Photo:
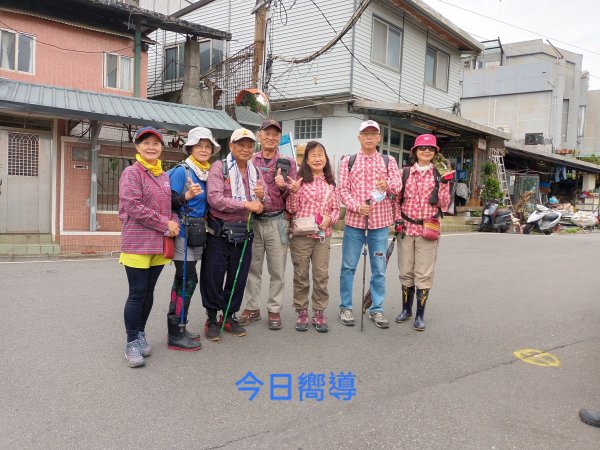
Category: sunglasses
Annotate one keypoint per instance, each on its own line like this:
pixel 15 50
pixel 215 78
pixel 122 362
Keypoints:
pixel 425 149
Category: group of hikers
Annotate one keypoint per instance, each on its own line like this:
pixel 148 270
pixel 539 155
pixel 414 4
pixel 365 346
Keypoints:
pixel 234 213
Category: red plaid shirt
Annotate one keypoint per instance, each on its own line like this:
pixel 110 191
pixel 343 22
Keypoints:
pixel 144 210
pixel 268 173
pixel 316 197
pixel 416 199
pixel 356 186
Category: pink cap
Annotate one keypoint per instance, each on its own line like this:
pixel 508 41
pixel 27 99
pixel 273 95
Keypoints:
pixel 425 140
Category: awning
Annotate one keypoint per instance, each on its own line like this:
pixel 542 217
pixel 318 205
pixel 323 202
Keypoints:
pixel 425 116
pixel 527 151
pixel 63 103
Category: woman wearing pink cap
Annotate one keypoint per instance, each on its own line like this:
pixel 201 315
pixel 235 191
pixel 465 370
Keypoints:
pixel 423 196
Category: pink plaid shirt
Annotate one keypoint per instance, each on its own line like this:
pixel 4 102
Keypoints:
pixel 357 186
pixel 416 199
pixel 313 198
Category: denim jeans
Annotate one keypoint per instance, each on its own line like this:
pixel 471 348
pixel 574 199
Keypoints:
pixel 352 245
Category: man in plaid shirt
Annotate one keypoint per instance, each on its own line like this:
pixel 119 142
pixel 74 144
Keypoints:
pixel 368 179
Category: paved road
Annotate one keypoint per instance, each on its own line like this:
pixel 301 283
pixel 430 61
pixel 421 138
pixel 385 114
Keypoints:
pixel 455 386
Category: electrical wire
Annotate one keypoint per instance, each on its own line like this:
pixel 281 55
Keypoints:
pixel 37 41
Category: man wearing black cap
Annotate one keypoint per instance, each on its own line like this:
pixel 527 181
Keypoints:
pixel 270 228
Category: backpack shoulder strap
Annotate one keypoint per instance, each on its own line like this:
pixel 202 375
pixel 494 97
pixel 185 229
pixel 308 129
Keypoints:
pixel 225 169
pixel 351 160
pixel 405 175
pixel 386 160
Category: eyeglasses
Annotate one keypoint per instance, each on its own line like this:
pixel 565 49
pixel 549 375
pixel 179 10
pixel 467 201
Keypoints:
pixel 370 134
pixel 425 149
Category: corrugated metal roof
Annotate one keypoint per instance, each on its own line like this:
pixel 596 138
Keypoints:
pixel 63 103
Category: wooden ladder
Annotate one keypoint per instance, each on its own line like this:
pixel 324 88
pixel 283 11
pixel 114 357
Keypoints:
pixel 498 159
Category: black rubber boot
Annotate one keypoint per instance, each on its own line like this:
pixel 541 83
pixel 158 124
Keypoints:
pixel 177 338
pixel 176 297
pixel 422 296
pixel 408 295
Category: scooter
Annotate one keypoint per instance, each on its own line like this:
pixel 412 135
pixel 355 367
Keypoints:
pixel 542 219
pixel 495 219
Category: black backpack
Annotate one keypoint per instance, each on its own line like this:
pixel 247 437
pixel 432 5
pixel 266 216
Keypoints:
pixel 352 159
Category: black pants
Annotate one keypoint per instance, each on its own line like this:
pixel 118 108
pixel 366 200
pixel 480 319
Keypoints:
pixel 219 263
pixel 140 300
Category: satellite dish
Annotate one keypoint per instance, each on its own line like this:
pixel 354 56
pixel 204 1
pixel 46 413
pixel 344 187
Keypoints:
pixel 254 100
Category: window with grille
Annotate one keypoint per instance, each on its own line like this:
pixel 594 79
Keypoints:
pixel 308 128
pixel 109 172
pixel 23 154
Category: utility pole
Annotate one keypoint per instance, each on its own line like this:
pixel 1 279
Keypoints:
pixel 260 33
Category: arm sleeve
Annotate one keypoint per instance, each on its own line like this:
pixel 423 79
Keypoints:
pixel 216 198
pixel 344 187
pixel 394 180
pixel 292 202
pixel 334 206
pixel 444 196
pixel 177 178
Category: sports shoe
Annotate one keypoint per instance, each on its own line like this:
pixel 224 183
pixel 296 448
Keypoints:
pixel 320 321
pixel 379 320
pixel 346 317
pixel 133 354
pixel 275 321
pixel 144 346
pixel 212 330
pixel 248 316
pixel 302 323
pixel 232 327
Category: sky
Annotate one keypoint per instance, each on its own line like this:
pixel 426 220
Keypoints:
pixel 571 25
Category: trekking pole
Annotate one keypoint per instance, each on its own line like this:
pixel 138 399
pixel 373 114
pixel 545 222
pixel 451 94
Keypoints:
pixel 236 274
pixel 185 222
pixel 364 274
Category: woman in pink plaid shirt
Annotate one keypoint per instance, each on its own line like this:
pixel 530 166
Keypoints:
pixel 146 217
pixel 313 195
pixel 416 254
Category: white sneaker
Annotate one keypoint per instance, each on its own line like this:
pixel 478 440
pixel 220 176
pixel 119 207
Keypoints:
pixel 346 317
pixel 379 320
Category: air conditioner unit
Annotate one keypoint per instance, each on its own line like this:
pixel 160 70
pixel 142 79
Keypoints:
pixel 534 138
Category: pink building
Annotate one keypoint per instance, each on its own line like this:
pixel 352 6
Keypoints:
pixel 73 78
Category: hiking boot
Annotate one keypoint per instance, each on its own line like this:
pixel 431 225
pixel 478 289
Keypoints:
pixel 302 323
pixel 320 321
pixel 248 316
pixel 133 354
pixel 232 327
pixel 379 320
pixel 144 346
pixel 346 317
pixel 212 330
pixel 275 321
pixel 590 417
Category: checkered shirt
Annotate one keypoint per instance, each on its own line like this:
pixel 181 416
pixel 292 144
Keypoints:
pixel 416 199
pixel 267 173
pixel 356 186
pixel 313 198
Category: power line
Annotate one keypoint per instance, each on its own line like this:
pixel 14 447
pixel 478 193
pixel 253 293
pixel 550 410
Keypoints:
pixel 518 27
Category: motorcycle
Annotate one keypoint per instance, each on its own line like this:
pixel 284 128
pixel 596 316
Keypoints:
pixel 542 219
pixel 495 219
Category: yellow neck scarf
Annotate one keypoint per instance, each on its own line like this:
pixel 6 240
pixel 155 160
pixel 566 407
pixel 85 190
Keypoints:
pixel 204 166
pixel 156 169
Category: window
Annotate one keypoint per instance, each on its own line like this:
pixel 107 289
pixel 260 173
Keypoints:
pixel 386 44
pixel 23 154
pixel 437 65
pixel 118 72
pixel 211 54
pixel 308 128
pixel 174 62
pixel 16 51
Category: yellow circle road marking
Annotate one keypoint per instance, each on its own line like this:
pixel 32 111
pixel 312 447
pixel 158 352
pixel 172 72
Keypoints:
pixel 537 357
